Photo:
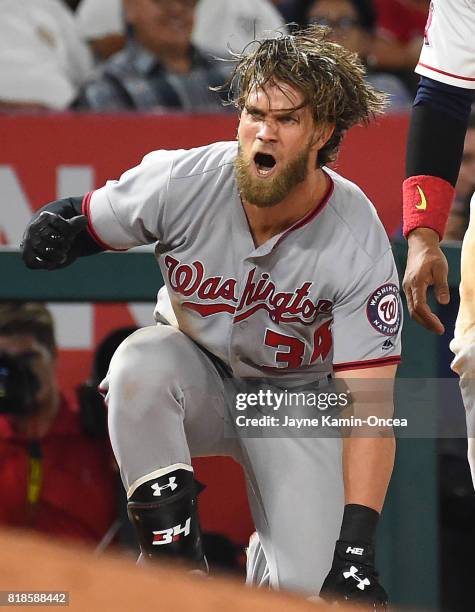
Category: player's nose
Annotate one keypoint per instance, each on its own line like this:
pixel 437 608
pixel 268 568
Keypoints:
pixel 267 132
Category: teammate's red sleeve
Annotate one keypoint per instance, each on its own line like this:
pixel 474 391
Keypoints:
pixel 426 203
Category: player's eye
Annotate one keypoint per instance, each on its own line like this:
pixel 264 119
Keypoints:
pixel 255 116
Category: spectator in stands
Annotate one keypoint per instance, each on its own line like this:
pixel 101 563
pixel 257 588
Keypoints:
pixel 293 11
pixel 352 22
pixel 464 188
pixel 399 34
pixel 102 24
pixel 54 477
pixel 159 68
pixel 230 25
pixel 43 60
pixel 218 25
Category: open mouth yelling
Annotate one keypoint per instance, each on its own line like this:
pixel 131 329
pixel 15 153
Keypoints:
pixel 264 164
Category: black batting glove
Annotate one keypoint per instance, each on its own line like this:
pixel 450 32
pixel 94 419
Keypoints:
pixel 48 240
pixel 353 578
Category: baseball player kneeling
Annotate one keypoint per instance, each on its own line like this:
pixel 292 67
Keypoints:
pixel 279 272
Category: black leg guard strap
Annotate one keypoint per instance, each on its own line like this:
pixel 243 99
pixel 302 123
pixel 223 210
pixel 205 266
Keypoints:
pixel 164 513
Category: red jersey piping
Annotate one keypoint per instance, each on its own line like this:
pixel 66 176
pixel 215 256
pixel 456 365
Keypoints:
pixel 311 214
pixel 454 76
pixel 86 206
pixel 369 363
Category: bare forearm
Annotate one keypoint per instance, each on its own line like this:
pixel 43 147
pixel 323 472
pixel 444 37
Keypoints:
pixel 368 459
pixel 367 468
pixel 368 452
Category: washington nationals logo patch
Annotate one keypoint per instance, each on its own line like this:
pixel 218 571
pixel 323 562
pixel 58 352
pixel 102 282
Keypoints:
pixel 383 309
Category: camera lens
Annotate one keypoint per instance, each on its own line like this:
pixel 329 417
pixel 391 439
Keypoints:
pixel 18 386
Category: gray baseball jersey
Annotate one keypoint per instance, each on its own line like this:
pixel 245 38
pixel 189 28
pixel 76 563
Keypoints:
pixel 323 294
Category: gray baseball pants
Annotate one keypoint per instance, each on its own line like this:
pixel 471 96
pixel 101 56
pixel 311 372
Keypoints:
pixel 168 403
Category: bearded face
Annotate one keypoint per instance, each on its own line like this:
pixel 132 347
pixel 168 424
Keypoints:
pixel 278 144
pixel 263 184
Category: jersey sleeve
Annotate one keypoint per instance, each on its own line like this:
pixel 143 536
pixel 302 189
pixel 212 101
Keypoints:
pixel 448 52
pixel 367 319
pixel 130 211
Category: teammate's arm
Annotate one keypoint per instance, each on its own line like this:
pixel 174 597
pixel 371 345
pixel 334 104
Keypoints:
pixel 437 129
pixel 368 460
pixel 56 235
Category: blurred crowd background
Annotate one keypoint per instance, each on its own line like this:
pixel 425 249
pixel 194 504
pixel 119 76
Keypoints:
pixel 164 55
pixel 160 57
pixel 108 55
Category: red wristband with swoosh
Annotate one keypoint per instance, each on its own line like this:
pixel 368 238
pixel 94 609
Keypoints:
pixel 426 203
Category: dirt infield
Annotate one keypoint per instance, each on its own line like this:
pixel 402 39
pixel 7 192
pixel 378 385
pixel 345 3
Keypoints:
pixel 29 562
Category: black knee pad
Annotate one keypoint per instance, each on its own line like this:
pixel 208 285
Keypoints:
pixel 164 513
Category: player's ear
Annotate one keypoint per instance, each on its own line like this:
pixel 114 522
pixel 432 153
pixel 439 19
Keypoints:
pixel 323 133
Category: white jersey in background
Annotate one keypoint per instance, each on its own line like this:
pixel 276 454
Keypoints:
pixel 227 25
pixel 448 52
pixel 43 59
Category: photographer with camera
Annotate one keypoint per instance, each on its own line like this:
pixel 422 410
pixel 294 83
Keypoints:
pixel 55 476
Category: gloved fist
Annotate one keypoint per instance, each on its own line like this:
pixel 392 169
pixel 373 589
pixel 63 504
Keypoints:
pixel 353 578
pixel 48 240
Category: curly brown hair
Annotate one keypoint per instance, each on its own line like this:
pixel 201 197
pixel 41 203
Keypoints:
pixel 331 79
